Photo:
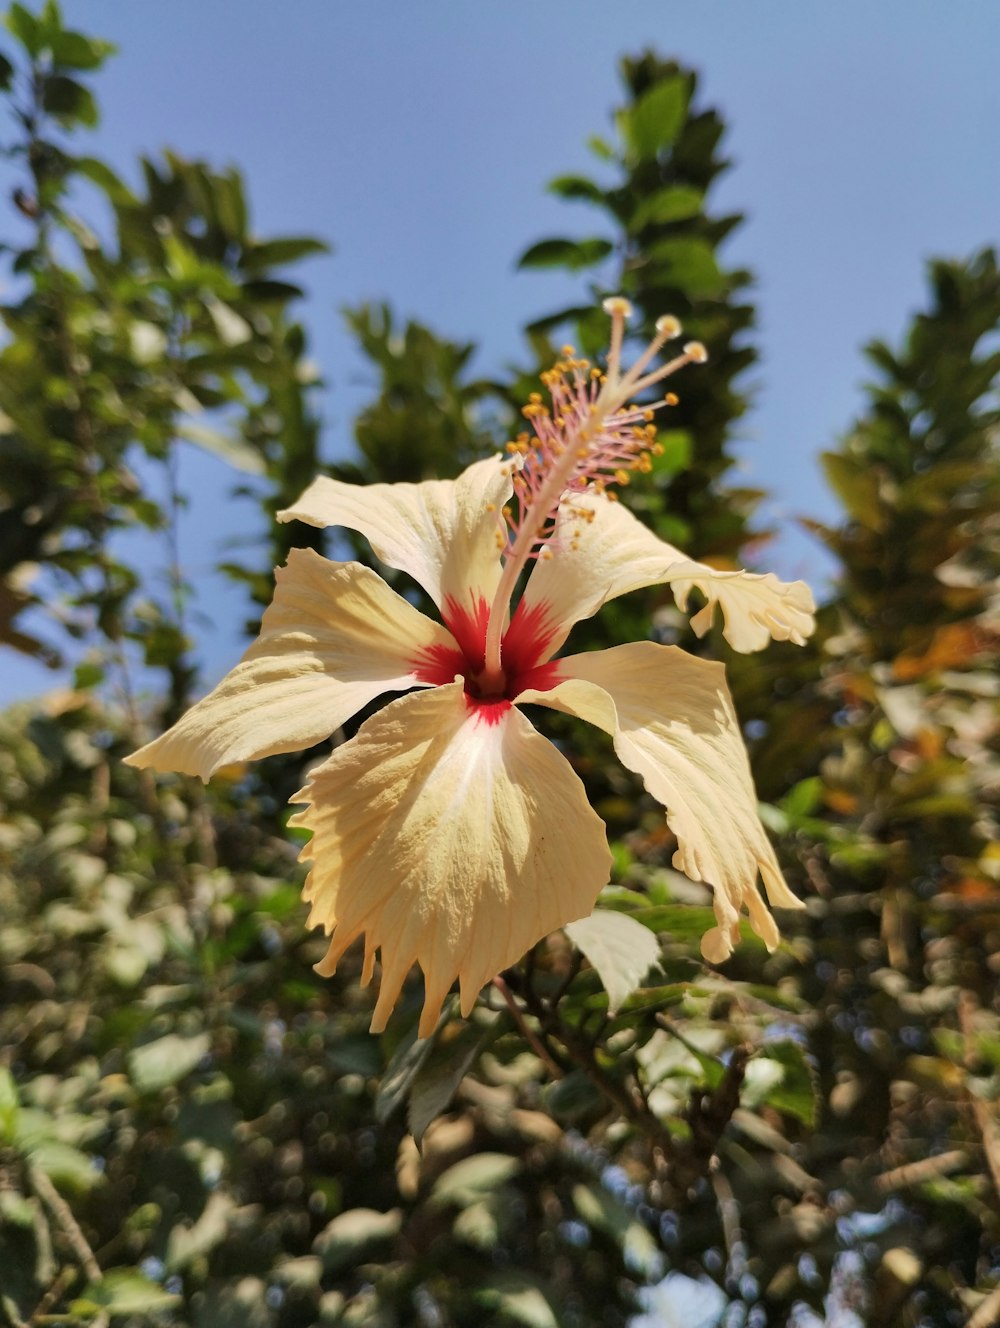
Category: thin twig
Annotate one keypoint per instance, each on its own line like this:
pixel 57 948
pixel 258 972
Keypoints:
pixel 581 1052
pixel 63 1281
pixel 729 1210
pixel 986 1121
pixel 915 1173
pixel 528 1033
pixel 60 1210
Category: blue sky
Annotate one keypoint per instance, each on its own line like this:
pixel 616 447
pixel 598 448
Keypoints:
pixel 418 139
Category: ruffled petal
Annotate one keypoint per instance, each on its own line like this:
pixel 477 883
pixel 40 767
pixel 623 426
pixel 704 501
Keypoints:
pixel 447 534
pixel 334 638
pixel 602 551
pixel 454 836
pixel 756 608
pixel 673 723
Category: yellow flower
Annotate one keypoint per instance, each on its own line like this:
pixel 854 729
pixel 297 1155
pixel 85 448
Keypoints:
pixel 448 832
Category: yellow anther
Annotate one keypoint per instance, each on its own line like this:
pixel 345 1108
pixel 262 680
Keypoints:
pixel 647 415
pixel 491 507
pixel 696 352
pixel 668 326
pixel 568 352
pixel 671 399
pixel 617 304
pixel 621 477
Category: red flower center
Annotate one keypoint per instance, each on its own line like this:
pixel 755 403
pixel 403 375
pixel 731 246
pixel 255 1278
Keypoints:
pixel 523 654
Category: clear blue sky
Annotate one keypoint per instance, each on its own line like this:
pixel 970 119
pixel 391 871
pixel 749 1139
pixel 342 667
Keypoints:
pixel 418 139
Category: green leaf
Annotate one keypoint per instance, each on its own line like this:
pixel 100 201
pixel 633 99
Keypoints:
pixel 857 486
pixel 158 1065
pixel 400 1073
pixel 804 798
pixel 621 949
pixel 782 1078
pixel 554 320
pixel 687 263
pixel 6 73
pixel 352 1236
pixel 185 1244
pixel 73 50
pixel 675 452
pixel 270 292
pixel 441 1072
pixel 654 122
pixel 124 1291
pixel 25 27
pixel 683 922
pixel 571 254
pixel 601 148
pixel 272 253
pixel 571 1098
pixel 602 1211
pixel 576 187
pixel 231 327
pixel 63 1164
pixel 8 1105
pixel 515 1298
pixel 101 174
pixel 69 101
pixel 675 203
pixel 474 1178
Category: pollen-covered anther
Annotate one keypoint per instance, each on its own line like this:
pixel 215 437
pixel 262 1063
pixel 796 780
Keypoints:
pixel 696 352
pixel 671 399
pixel 617 304
pixel 668 327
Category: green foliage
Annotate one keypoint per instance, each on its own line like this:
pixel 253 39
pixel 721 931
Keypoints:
pixel 666 249
pixel 172 328
pixel 194 1127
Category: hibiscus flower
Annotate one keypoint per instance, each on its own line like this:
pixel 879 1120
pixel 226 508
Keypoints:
pixel 448 831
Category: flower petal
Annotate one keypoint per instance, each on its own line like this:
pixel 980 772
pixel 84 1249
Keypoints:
pixel 454 836
pixel 756 607
pixel 334 637
pixel 673 723
pixel 447 534
pixel 603 551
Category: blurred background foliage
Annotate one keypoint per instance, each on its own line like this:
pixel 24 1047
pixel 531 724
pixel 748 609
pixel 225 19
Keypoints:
pixel 195 1128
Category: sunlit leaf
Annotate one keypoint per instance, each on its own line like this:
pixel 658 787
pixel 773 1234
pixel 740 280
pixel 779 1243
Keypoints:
pixel 157 1065
pixel 621 949
pixel 652 124
pixel 354 1235
pixel 474 1177
pixel 570 254
pixel 126 1291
